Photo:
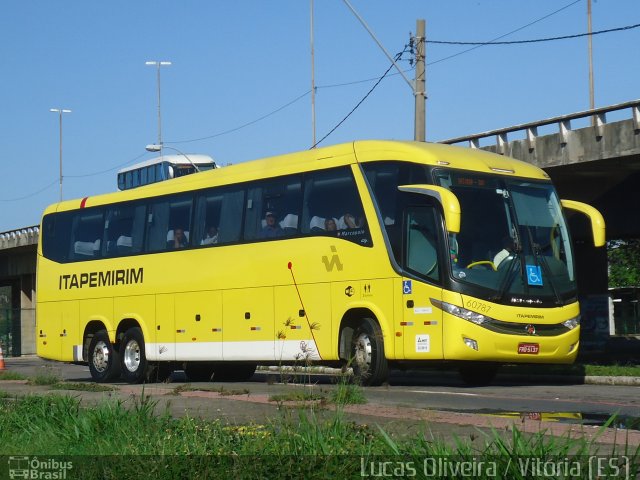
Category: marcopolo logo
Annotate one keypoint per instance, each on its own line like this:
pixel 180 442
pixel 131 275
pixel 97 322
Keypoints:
pixel 39 468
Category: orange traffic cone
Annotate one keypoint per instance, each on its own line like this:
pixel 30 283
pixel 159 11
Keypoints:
pixel 2 367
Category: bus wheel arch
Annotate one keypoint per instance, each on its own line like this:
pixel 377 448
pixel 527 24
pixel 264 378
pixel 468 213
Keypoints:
pixel 90 330
pixel 102 355
pixel 361 345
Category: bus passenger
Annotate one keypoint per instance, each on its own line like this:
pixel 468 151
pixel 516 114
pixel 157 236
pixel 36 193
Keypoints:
pixel 271 229
pixel 211 237
pixel 179 238
pixel 330 224
pixel 348 221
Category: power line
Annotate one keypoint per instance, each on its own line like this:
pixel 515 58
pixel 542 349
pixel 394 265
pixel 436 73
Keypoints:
pixel 537 40
pixel 363 98
pixel 108 170
pixel 300 97
pixel 506 34
pixel 30 194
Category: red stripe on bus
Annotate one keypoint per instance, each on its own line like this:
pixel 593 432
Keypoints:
pixel 83 202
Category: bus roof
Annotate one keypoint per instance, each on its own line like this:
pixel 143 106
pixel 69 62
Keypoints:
pixel 332 156
pixel 196 158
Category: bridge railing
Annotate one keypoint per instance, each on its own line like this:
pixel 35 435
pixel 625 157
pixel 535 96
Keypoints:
pixel 563 122
pixel 19 237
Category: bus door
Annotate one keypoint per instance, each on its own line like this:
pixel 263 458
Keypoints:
pixel 421 322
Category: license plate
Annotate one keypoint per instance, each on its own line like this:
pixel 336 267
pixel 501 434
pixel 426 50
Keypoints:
pixel 528 348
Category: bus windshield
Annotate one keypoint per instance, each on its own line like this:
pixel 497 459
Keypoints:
pixel 513 238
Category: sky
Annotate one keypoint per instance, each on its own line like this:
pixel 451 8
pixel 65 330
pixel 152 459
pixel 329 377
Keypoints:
pixel 239 84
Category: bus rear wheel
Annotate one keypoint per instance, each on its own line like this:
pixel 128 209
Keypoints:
pixel 370 366
pixel 133 357
pixel 104 363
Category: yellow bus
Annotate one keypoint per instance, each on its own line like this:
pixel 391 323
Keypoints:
pixel 369 254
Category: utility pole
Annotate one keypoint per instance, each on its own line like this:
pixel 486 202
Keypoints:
pixel 419 82
pixel 159 64
pixel 592 101
pixel 60 111
pixel 313 84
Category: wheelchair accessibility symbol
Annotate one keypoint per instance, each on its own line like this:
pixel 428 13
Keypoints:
pixel 406 287
pixel 534 275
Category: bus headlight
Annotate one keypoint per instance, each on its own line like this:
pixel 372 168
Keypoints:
pixel 572 322
pixel 460 312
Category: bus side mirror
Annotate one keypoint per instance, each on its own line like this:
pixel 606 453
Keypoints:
pixel 597 220
pixel 449 202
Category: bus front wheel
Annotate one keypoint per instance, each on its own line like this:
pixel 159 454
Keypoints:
pixel 133 358
pixel 370 366
pixel 104 363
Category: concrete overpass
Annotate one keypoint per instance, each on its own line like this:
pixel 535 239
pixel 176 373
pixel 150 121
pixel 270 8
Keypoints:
pixel 17 290
pixel 598 164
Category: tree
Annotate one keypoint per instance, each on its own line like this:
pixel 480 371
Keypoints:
pixel 624 263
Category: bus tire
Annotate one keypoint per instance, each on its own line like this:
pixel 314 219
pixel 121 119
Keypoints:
pixel 132 356
pixel 370 366
pixel 478 374
pixel 104 363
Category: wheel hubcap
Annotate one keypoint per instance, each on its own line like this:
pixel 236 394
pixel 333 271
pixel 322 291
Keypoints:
pixel 132 356
pixel 101 357
pixel 362 351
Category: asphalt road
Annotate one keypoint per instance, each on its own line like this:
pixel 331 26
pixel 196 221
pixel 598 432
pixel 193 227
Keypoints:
pixel 534 398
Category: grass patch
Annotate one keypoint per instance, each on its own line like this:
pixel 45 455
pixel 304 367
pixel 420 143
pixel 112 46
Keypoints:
pixel 9 375
pixel 297 445
pixel 348 394
pixel 46 376
pixel 298 396
pixel 82 387
pixel 187 387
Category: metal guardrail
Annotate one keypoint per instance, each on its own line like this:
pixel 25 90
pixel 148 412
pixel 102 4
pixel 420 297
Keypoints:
pixel 564 126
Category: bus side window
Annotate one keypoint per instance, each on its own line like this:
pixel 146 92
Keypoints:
pixel 56 236
pixel 219 209
pixel 124 229
pixel 332 195
pixel 280 196
pixel 86 235
pixel 164 216
pixel 421 242
pixel 151 174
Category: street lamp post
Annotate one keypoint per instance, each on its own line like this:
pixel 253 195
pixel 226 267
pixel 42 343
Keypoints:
pixel 60 111
pixel 158 148
pixel 159 64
